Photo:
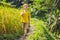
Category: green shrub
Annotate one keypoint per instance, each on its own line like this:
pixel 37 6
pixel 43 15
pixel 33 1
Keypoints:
pixel 10 25
pixel 40 32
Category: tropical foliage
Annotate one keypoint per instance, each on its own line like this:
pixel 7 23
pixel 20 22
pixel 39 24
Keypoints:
pixel 45 18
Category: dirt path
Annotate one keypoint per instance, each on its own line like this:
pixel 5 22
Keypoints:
pixel 31 29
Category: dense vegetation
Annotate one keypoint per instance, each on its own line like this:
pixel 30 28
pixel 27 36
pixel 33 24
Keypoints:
pixel 45 18
pixel 10 26
pixel 40 31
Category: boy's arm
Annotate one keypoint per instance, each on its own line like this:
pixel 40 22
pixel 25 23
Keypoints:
pixel 29 20
pixel 21 13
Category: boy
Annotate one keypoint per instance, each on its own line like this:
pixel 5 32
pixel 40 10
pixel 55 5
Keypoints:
pixel 25 18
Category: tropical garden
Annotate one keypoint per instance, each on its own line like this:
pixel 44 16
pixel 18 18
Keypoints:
pixel 45 18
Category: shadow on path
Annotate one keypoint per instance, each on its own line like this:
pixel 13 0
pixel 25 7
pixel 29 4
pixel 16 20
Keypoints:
pixel 31 29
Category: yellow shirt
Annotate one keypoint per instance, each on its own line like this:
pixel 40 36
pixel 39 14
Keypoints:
pixel 25 17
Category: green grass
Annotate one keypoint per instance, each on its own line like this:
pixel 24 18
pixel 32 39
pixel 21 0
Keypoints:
pixel 40 32
pixel 10 25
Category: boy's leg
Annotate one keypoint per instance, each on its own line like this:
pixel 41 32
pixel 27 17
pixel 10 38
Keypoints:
pixel 23 26
pixel 28 27
pixel 25 29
